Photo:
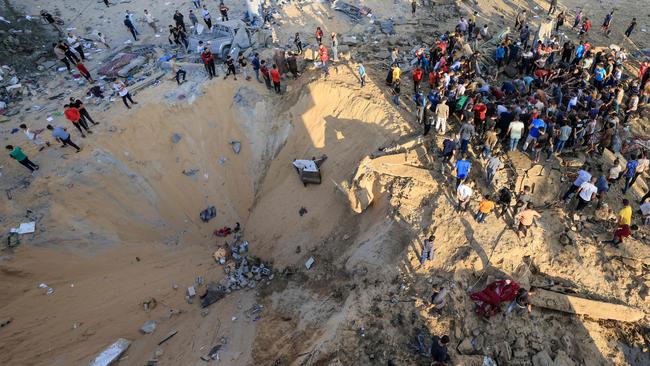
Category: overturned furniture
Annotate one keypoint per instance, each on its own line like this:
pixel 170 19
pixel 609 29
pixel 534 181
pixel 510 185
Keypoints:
pixel 309 170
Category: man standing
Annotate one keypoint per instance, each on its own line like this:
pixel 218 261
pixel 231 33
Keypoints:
pixel 230 67
pixel 208 61
pixel 62 135
pixel 515 130
pixel 607 22
pixel 266 75
pixel 256 66
pixel 73 115
pixel 552 7
pixel 150 20
pixel 466 133
pixel 362 74
pixel 275 77
pixel 223 9
pixel 525 219
pixel 442 113
pixel 75 43
pixel 630 173
pixel 417 79
pixel 427 250
pixel 77 103
pixel 60 55
pixel 335 47
pixel 19 156
pixel 463 167
pixel 463 194
pixel 180 20
pixel 630 28
pixel 324 58
pixel 586 193
pixel 439 349
pixel 493 165
pixel 123 92
pixel 206 17
pixel 131 27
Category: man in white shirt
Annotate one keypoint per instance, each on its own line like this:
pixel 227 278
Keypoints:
pixel 644 210
pixel 586 193
pixel 463 193
pixel 615 171
pixel 150 20
pixel 206 17
pixel 75 43
pixel 515 130
pixel 583 176
pixel 123 92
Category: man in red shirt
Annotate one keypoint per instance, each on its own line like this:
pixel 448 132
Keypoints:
pixel 480 111
pixel 275 77
pixel 417 78
pixel 324 58
pixel 73 115
pixel 208 61
pixel 266 75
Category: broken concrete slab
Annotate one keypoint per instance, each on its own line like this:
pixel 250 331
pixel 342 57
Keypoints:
pixel 591 308
pixel 111 353
pixel 148 327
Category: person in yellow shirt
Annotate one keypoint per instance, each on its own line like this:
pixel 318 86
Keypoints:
pixel 397 72
pixel 625 214
pixel 484 208
pixel 624 228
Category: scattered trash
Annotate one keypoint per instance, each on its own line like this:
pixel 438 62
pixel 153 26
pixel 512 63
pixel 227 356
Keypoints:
pixel 112 353
pixel 198 281
pixel 234 318
pixel 213 354
pixel 222 160
pixel 190 173
pixel 50 291
pixel 149 304
pixel 309 263
pixel 207 214
pixel 191 292
pixel 355 12
pixel 148 327
pixel 236 146
pixel 176 138
pixel 5 322
pixel 213 293
pixel 302 211
pixel 387 26
pixel 167 337
pixel 24 228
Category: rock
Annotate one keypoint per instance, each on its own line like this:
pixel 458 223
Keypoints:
pixel 562 359
pixel 111 353
pixel 349 41
pixel 542 359
pixel 469 345
pixel 148 327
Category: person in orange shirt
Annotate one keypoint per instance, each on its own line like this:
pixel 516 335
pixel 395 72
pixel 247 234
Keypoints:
pixel 324 58
pixel 484 208
pixel 275 78
pixel 84 72
pixel 73 115
pixel 417 78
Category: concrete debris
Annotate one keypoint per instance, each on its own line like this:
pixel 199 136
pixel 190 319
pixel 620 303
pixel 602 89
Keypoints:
pixel 309 263
pixel 355 12
pixel 190 173
pixel 167 337
pixel 208 214
pixel 591 308
pixel 148 327
pixel 387 26
pixel 176 138
pixel 112 353
pixel 236 146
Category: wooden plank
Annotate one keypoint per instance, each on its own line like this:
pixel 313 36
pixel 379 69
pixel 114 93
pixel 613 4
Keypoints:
pixel 591 308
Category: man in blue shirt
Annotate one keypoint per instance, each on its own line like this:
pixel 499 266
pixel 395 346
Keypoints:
pixel 256 66
pixel 362 74
pixel 60 133
pixel 463 166
pixel 500 54
pixel 630 169
pixel 533 132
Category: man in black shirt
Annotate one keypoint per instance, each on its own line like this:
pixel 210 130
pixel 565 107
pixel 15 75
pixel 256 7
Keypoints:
pixel 439 348
pixel 180 23
pixel 77 103
pixel 230 65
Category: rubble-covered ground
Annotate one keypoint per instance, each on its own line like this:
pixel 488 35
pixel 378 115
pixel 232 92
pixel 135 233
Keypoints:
pixel 118 226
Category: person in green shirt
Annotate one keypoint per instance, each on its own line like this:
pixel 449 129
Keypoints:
pixel 20 157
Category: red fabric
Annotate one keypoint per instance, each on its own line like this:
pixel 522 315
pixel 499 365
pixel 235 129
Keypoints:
pixel 207 57
pixel 642 70
pixel 417 75
pixel 488 300
pixel 322 53
pixel 623 231
pixel 541 73
pixel 275 75
pixel 432 79
pixel 72 114
pixel 82 68
pixel 480 110
pixel 265 71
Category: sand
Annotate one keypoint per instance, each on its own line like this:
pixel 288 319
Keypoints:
pixel 118 224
